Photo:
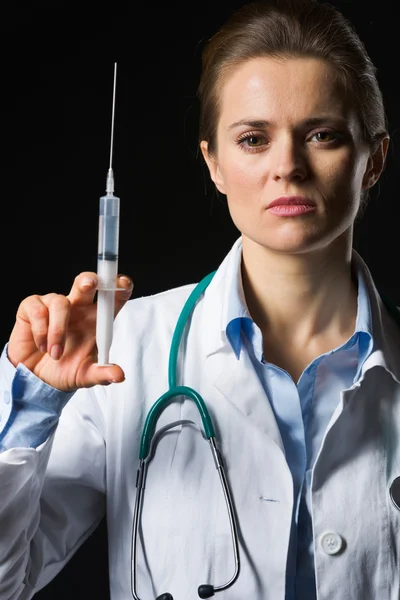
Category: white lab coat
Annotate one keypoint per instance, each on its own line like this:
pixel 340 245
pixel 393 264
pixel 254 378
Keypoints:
pixel 186 536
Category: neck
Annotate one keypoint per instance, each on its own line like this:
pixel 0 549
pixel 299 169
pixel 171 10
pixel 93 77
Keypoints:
pixel 303 297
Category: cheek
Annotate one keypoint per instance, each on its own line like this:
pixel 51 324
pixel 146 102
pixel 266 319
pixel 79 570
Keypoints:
pixel 343 173
pixel 243 176
pixel 340 183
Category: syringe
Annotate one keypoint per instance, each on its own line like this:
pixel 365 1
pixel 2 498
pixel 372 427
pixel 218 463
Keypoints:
pixel 107 257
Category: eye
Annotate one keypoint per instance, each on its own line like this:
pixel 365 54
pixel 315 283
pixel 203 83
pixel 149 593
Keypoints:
pixel 254 140
pixel 251 141
pixel 334 135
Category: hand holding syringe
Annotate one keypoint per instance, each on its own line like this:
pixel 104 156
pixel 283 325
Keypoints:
pixel 54 334
pixel 107 257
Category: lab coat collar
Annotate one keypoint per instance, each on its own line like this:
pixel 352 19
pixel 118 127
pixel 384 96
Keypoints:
pixel 385 331
pixel 239 384
pixel 216 300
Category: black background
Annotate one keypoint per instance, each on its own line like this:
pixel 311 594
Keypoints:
pixel 57 71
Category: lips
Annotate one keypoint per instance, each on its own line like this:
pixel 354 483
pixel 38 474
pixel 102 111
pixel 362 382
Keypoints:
pixel 291 201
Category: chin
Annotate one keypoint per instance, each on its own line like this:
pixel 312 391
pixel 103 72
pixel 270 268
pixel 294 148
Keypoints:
pixel 299 237
pixel 295 244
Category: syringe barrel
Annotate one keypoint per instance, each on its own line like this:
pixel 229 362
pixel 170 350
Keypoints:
pixel 107 268
pixel 108 228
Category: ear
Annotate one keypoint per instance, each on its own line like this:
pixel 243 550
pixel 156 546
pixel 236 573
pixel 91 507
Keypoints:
pixel 213 167
pixel 376 163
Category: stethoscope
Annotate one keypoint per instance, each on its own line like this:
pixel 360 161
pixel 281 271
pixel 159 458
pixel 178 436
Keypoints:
pixel 147 445
pixel 149 440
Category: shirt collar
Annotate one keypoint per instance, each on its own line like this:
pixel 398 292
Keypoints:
pixel 236 313
pixel 237 319
pixel 215 309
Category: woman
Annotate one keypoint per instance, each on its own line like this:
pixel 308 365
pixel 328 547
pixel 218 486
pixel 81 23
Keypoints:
pixel 290 346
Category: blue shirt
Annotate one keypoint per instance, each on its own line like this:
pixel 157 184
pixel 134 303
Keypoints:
pixel 302 412
pixel 27 423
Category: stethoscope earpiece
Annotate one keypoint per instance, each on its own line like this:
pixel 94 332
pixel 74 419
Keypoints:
pixel 394 492
pixel 206 591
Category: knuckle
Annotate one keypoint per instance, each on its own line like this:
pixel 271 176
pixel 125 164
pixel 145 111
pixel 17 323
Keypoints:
pixel 40 333
pixel 57 332
pixel 52 297
pixel 30 300
pixel 58 300
pixel 39 312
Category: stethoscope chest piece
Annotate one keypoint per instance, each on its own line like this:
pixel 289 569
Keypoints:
pixel 394 492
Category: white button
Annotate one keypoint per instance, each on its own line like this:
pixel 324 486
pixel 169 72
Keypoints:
pixel 331 542
pixel 7 397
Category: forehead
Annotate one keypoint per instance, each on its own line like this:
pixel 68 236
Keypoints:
pixel 282 90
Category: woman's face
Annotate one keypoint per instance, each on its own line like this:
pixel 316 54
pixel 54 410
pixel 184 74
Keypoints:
pixel 286 129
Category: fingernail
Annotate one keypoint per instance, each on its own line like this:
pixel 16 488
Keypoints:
pixel 126 280
pixel 88 282
pixel 109 381
pixel 56 351
pixel 43 348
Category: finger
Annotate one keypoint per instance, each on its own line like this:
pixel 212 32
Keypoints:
pixel 125 286
pixel 36 311
pixel 59 308
pixel 84 288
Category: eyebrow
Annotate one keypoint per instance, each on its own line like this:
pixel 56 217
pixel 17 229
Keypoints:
pixel 264 124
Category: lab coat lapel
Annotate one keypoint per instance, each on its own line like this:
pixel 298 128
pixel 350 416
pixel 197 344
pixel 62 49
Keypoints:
pixel 236 379
pixel 239 383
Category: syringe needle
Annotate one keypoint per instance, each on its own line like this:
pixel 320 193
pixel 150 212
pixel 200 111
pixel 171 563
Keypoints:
pixel 113 115
pixel 107 257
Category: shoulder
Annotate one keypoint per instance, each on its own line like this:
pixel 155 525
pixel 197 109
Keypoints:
pixel 151 310
pixel 143 331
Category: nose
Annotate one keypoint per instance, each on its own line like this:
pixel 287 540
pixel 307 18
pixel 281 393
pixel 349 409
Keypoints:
pixel 288 159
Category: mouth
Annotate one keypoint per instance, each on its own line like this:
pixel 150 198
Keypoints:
pixel 292 201
pixel 291 206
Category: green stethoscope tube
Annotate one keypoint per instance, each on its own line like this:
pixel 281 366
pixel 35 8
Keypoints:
pixel 174 390
pixel 157 408
pixel 181 324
